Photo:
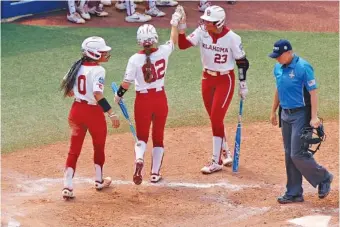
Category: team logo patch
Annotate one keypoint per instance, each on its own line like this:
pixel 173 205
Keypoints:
pixel 208 12
pixel 100 86
pixel 291 74
pixel 101 80
pixel 311 83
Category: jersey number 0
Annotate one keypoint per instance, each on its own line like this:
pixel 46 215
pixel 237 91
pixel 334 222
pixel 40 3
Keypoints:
pixel 157 69
pixel 82 84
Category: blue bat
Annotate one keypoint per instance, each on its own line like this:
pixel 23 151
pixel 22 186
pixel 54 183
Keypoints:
pixel 124 110
pixel 238 139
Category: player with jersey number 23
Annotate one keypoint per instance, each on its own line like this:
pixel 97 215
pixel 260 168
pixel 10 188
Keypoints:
pixel 85 81
pixel 147 70
pixel 220 48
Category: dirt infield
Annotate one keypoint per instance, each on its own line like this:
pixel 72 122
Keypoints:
pixel 285 16
pixel 32 178
pixel 32 183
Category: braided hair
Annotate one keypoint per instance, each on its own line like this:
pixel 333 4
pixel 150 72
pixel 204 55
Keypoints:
pixel 68 82
pixel 148 75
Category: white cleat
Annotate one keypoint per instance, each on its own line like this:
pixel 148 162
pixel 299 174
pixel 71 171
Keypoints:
pixel 106 182
pixel 75 18
pixel 67 194
pixel 166 3
pixel 106 2
pixel 138 17
pixel 154 178
pixel 228 158
pixel 211 167
pixel 120 5
pixel 202 7
pixel 84 13
pixel 138 176
pixel 155 12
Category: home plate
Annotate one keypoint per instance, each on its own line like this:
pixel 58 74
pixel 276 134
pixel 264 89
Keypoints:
pixel 312 221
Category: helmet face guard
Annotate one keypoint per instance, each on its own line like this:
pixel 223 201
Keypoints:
pixel 213 14
pixel 93 47
pixel 147 35
pixel 313 136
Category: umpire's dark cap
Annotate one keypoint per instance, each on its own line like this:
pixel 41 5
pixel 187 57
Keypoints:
pixel 280 47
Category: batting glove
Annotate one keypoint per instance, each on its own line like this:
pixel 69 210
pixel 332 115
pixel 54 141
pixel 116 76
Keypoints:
pixel 176 17
pixel 243 90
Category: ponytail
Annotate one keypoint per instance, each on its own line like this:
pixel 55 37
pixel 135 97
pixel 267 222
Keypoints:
pixel 148 75
pixel 70 79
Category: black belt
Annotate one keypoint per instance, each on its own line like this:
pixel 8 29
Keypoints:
pixel 291 111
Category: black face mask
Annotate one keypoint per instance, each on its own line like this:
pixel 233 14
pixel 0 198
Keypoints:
pixel 312 136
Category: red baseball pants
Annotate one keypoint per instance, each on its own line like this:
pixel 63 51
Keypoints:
pixel 217 93
pixel 85 117
pixel 151 107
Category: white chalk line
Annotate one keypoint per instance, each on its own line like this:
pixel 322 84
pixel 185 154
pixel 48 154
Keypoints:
pixel 31 187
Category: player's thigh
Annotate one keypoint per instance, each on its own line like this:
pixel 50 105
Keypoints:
pixel 97 125
pixel 207 90
pixel 222 96
pixel 143 114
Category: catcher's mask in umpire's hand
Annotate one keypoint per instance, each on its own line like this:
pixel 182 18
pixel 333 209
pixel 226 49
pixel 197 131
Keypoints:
pixel 311 136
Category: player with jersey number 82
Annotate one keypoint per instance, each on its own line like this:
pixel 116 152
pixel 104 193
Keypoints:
pixel 85 81
pixel 147 70
pixel 220 47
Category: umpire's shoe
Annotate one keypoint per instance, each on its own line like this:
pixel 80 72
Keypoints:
pixel 290 199
pixel 325 187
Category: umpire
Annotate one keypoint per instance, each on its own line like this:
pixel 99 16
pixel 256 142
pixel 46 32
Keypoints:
pixel 296 94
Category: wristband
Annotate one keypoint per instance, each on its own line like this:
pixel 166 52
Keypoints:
pixel 182 26
pixel 121 91
pixel 104 104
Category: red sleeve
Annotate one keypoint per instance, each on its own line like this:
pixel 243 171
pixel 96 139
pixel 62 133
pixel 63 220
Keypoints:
pixel 183 43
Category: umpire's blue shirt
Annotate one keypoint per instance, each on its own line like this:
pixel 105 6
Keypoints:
pixel 292 80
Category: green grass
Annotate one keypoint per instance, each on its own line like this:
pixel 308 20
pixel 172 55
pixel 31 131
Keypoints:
pixel 34 59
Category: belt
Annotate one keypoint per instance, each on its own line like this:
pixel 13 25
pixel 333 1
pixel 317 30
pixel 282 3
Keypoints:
pixel 151 90
pixel 216 73
pixel 291 111
pixel 84 101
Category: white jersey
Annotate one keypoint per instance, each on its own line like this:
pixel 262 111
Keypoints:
pixel 90 78
pixel 159 63
pixel 220 55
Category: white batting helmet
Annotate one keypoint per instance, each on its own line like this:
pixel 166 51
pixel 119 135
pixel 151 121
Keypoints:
pixel 214 14
pixel 147 35
pixel 93 46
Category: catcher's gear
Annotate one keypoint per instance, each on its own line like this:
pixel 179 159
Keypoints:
pixel 94 46
pixel 214 14
pixel 147 35
pixel 311 136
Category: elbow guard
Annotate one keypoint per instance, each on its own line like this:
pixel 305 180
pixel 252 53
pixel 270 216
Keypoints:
pixel 243 66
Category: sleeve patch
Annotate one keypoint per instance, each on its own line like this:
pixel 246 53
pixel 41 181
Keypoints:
pixel 311 83
pixel 101 80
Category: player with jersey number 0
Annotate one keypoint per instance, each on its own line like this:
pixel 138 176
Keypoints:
pixel 85 81
pixel 147 70
pixel 220 47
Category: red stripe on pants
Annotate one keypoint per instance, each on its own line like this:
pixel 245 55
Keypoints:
pixel 85 117
pixel 217 93
pixel 151 107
